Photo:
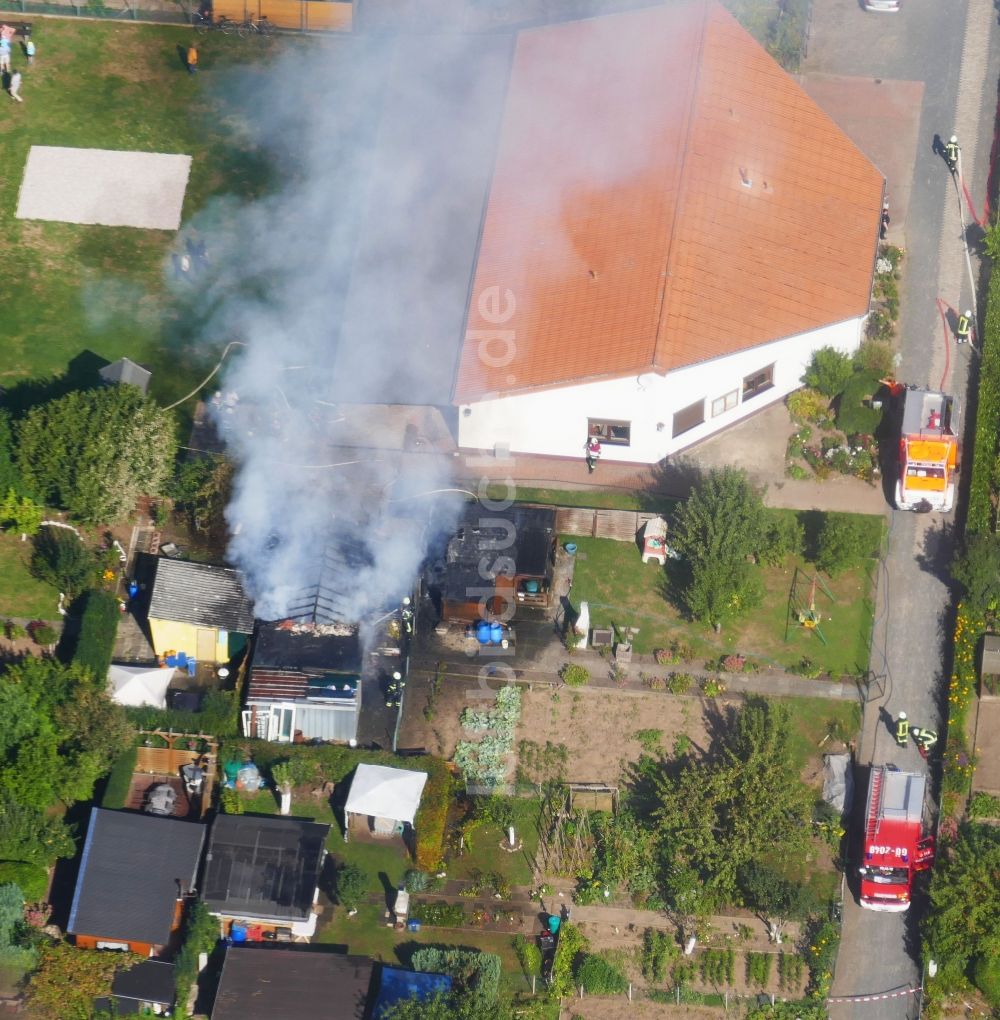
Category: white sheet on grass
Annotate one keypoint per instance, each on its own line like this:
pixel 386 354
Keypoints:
pixel 103 186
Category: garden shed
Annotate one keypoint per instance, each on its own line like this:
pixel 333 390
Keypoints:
pixel 388 797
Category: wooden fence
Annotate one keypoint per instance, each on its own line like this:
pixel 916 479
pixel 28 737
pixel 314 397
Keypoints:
pixel 301 15
pixel 620 525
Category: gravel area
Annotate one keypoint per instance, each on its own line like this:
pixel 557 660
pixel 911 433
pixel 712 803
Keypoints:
pixel 114 189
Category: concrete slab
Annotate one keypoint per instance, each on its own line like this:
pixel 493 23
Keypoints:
pixel 882 118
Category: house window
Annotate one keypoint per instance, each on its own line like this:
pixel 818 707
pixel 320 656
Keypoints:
pixel 617 433
pixel 758 382
pixel 725 403
pixel 688 417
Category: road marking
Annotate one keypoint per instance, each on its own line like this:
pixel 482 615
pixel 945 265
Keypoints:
pixel 877 997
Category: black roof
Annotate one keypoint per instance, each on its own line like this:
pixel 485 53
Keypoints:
pixel 124 370
pixel 302 649
pixel 129 874
pixel 149 981
pixel 263 867
pixel 522 533
pixel 268 983
pixel 202 594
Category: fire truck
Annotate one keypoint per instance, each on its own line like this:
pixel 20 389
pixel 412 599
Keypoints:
pixel 928 449
pixel 895 846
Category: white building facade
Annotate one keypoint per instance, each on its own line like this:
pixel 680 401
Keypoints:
pixel 642 419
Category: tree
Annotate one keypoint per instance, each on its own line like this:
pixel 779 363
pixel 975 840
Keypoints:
pixel 32 834
pixel 828 371
pixel 201 489
pixel 10 477
pixel 776 899
pixel 68 980
pixel 352 886
pixel 94 452
pixel 844 541
pixel 457 1006
pixel 964 919
pixel 61 559
pixel 20 513
pixel 977 570
pixel 715 816
pixel 720 530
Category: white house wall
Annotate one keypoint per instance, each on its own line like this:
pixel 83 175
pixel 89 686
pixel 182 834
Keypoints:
pixel 554 421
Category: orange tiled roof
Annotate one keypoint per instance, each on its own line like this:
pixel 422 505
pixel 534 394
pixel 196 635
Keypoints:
pixel 618 218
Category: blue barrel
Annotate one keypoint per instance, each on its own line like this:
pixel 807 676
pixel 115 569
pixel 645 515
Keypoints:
pixel 554 923
pixel 133 589
pixel 483 632
pixel 531 587
pixel 413 924
pixel 496 633
pixel 238 932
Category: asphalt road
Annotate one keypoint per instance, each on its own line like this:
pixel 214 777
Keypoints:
pixel 951 47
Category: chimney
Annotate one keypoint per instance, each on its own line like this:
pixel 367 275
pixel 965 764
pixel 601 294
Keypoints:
pixel 744 178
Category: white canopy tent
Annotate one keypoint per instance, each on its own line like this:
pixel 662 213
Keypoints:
pixel 139 685
pixel 390 797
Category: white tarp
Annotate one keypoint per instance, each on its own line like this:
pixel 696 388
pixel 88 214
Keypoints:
pixel 838 781
pixel 139 685
pixel 104 186
pixel 385 792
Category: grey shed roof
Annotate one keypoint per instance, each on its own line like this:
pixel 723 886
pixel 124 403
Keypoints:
pixel 262 983
pixel 263 867
pixel 126 371
pixel 129 871
pixel 201 594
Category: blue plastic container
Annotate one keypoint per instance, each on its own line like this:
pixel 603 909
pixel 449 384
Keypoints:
pixel 413 925
pixel 570 547
pixel 531 587
pixel 483 632
pixel 496 634
pixel 238 932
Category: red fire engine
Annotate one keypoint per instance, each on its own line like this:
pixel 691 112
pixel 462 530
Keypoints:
pixel 895 847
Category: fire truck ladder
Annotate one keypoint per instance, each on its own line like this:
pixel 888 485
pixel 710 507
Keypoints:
pixel 874 805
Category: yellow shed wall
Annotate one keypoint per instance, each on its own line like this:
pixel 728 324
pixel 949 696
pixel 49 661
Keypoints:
pixel 172 636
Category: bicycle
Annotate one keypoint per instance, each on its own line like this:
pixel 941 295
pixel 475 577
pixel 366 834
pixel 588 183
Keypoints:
pixel 204 23
pixel 262 26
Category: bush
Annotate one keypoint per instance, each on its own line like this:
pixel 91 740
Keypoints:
pixel 42 634
pixel 231 802
pixel 529 956
pixel 201 933
pixel 875 358
pixel 980 512
pixel 31 879
pixel 784 537
pixel 98 627
pixel 219 716
pixel 986 977
pixel 415 881
pixel 984 805
pixel 432 815
pixel 574 676
pixel 14 631
pixel 680 683
pixel 828 371
pixel 807 406
pixel 351 886
pixel 61 559
pixel 599 976
pixel 854 416
pixel 570 945
pixel 119 780
pixel 476 973
pixel 844 541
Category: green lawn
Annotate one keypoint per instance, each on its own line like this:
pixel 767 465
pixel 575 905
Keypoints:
pixel 622 590
pixel 71 292
pixel 597 499
pixel 21 594
pixel 812 719
pixel 485 854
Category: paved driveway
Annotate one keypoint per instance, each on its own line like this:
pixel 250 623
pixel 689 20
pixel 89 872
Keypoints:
pixel 946 47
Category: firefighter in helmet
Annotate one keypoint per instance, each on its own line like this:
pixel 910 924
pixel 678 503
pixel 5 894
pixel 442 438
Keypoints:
pixel 964 326
pixel 902 730
pixel 951 151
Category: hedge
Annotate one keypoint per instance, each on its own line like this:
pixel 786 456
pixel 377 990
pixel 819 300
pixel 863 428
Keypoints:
pixel 219 716
pixel 119 780
pixel 31 879
pixel 477 973
pixel 980 514
pixel 98 627
pixel 334 762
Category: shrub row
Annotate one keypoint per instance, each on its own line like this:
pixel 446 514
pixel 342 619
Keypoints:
pixel 98 626
pixel 119 780
pixel 980 515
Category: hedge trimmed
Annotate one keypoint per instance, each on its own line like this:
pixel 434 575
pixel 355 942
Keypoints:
pixel 119 780
pixel 98 627
pixel 219 716
pixel 980 515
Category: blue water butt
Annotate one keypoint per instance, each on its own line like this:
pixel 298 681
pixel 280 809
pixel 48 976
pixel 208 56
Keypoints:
pixel 238 932
pixel 496 633
pixel 483 632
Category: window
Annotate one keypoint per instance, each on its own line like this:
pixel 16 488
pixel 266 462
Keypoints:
pixel 688 417
pixel 617 433
pixel 722 404
pixel 758 382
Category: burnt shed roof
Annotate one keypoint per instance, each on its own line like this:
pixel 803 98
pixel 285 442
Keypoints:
pixel 280 647
pixel 263 867
pixel 262 983
pixel 200 594
pixel 522 534
pixel 129 873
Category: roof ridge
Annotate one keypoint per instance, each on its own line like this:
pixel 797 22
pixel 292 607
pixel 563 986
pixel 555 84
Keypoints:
pixel 694 84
